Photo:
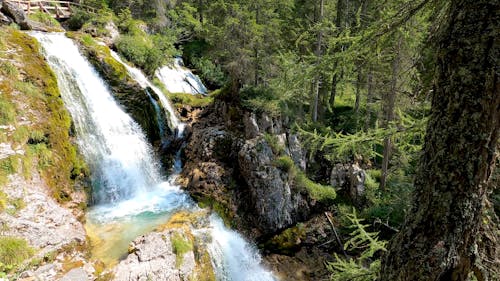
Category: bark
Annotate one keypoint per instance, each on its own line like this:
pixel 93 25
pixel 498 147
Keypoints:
pixel 389 115
pixel 358 90
pixel 317 81
pixel 369 97
pixel 440 239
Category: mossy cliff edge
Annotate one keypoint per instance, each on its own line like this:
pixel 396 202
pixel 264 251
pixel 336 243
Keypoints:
pixel 42 175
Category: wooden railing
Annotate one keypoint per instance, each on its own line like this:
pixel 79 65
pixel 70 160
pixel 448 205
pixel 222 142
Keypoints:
pixel 57 9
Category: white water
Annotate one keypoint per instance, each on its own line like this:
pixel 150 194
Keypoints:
pixel 145 83
pixel 131 196
pixel 178 79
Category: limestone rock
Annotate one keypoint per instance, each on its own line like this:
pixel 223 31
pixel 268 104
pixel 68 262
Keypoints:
pixel 152 258
pixel 76 274
pixel 296 151
pixel 43 222
pixel 251 126
pixel 276 204
pixel 350 178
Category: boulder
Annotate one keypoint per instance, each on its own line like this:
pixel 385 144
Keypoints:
pixel 274 201
pixel 4 19
pixel 76 274
pixel 152 257
pixel 351 179
pixel 13 10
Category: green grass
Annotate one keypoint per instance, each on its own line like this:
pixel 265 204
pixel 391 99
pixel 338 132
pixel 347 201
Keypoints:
pixel 180 246
pixel 13 251
pixel 273 142
pixel 8 69
pixel 7 112
pixel 45 19
pixel 180 99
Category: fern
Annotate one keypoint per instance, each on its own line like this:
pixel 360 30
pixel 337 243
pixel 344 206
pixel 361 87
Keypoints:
pixel 362 268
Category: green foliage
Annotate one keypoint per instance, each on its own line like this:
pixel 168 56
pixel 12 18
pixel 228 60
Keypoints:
pixel 45 19
pixel 13 251
pixel 180 99
pixel 284 163
pixel 7 68
pixel 260 99
pixel 287 242
pixel 209 72
pixel 180 246
pixel 273 142
pixel 367 245
pixel 322 193
pixel 7 112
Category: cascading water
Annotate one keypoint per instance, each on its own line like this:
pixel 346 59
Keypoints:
pixel 178 79
pixel 130 195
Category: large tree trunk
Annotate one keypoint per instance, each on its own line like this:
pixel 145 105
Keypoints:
pixel 439 239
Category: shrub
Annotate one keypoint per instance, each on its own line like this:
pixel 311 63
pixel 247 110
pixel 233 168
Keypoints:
pixel 13 251
pixel 141 51
pixel 273 142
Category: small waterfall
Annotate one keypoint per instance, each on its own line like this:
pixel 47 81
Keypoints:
pixel 175 123
pixel 132 198
pixel 178 79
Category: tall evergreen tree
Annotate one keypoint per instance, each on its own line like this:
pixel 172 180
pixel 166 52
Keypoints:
pixel 439 240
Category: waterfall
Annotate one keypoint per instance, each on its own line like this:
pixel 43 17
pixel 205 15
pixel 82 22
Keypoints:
pixel 131 196
pixel 178 79
pixel 175 123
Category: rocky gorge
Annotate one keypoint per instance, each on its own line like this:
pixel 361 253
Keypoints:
pixel 248 167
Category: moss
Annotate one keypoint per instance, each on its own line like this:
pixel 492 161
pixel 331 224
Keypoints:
pixel 204 269
pixel 180 99
pixel 47 20
pixel 180 246
pixel 50 146
pixel 13 251
pixel 221 208
pixel 321 193
pixel 287 242
pixel 284 163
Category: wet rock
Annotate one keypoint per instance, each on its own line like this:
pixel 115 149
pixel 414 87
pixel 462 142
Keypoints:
pixel 275 203
pixel 351 179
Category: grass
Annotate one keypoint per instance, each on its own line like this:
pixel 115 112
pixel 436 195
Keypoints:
pixel 13 251
pixel 46 20
pixel 180 246
pixel 273 142
pixel 180 99
pixel 7 111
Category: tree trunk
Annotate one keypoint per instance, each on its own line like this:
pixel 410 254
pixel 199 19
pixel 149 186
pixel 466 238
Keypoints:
pixel 317 81
pixel 358 90
pixel 389 114
pixel 369 97
pixel 439 240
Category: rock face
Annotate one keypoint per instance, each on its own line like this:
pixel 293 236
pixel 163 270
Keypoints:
pixel 42 222
pixel 350 178
pixel 152 258
pixel 232 166
pixel 275 203
pixel 3 18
